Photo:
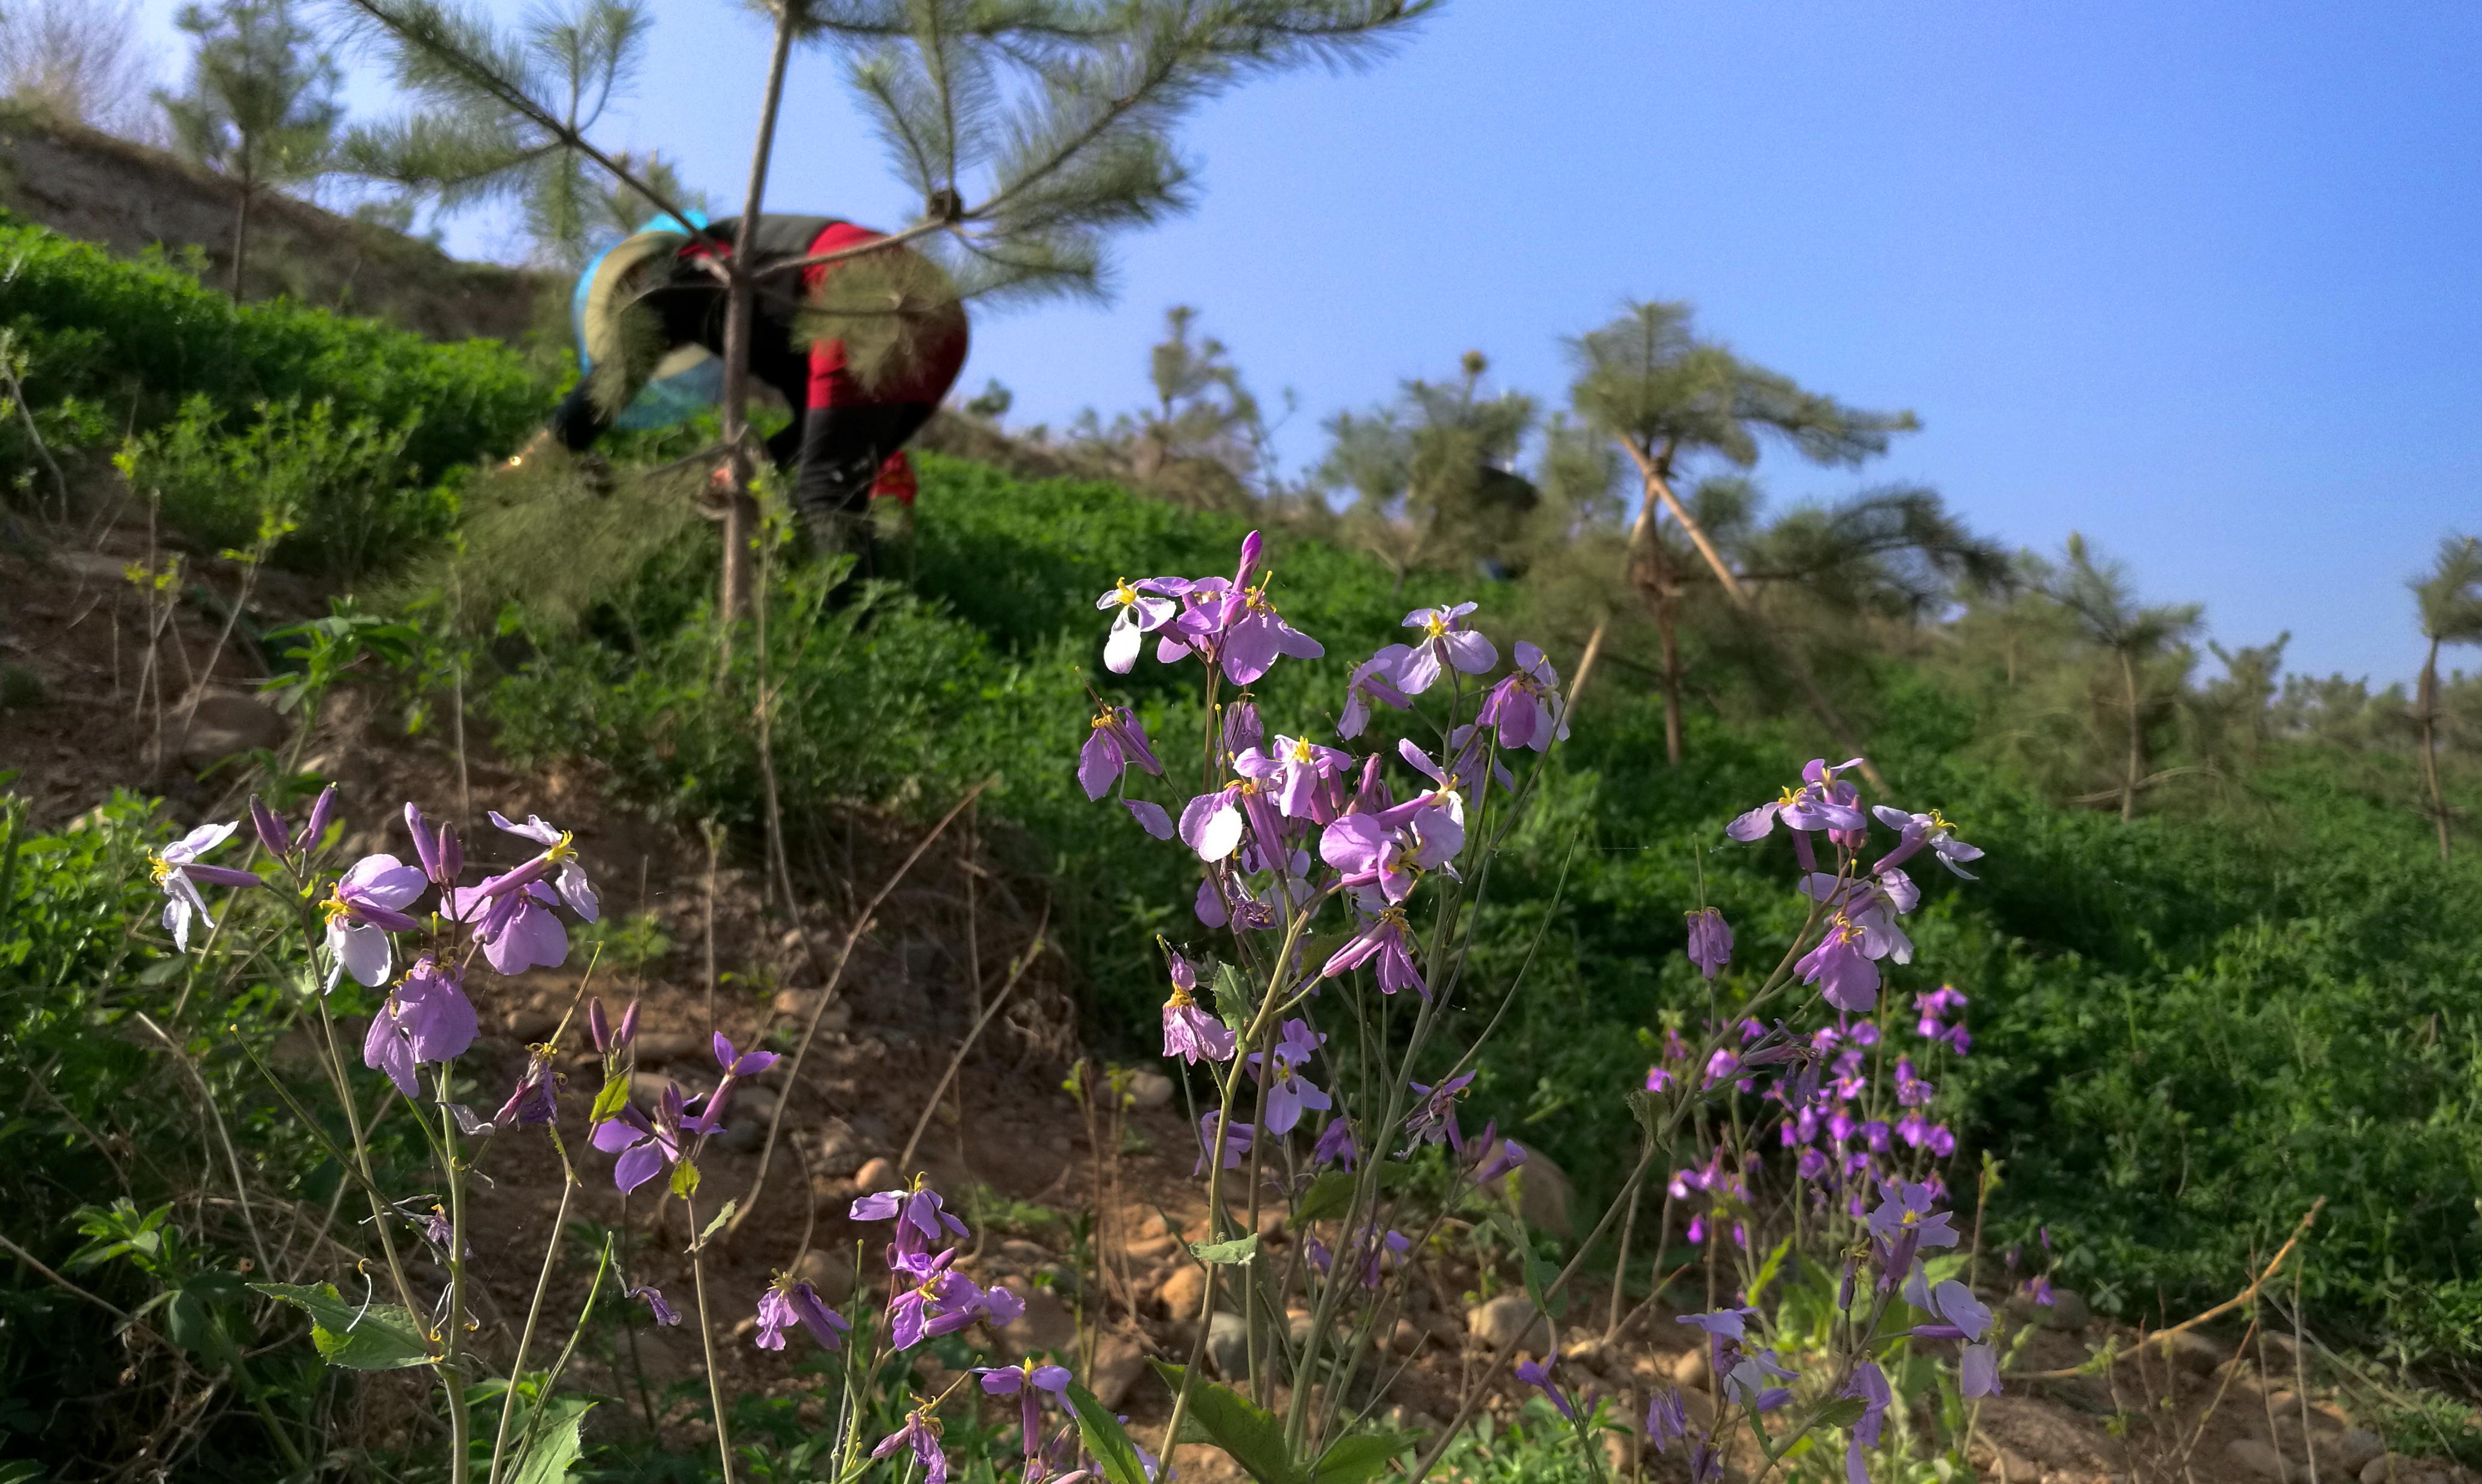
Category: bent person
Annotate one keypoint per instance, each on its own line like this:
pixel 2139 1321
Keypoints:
pixel 862 349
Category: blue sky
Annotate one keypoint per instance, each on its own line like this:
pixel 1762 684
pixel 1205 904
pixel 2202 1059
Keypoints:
pixel 2198 279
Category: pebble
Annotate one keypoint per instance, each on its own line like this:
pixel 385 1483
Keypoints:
pixel 2189 1350
pixel 1405 1338
pixel 659 1047
pixel 1147 1249
pixel 2377 1471
pixel 1690 1369
pixel 1181 1293
pixel 1511 1316
pixel 1543 1193
pixel 878 1174
pixel 1150 1090
pixel 756 1102
pixel 2257 1457
pixel 1227 1346
pixel 2358 1448
pixel 744 1135
pixel 832 1273
pixel 1119 1363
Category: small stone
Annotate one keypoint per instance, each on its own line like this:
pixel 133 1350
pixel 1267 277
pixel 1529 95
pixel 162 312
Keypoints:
pixel 1690 1369
pixel 1147 1249
pixel 1405 1338
pixel 1511 1316
pixel 756 1102
pixel 1543 1193
pixel 2016 1468
pixel 225 726
pixel 530 1024
pixel 1119 1363
pixel 1150 1090
pixel 1181 1293
pixel 1047 1325
pixel 744 1135
pixel 647 1087
pixel 2357 1447
pixel 2259 1458
pixel 2379 1470
pixel 2067 1311
pixel 1023 1255
pixel 2189 1350
pixel 1227 1346
pixel 879 1174
pixel 1296 1327
pixel 659 1047
pixel 832 1273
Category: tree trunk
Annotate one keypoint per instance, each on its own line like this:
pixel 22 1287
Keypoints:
pixel 1652 574
pixel 241 234
pixel 2136 740
pixel 740 510
pixel 1660 488
pixel 2427 713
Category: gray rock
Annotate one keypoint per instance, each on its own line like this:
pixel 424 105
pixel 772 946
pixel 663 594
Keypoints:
pixel 2258 1459
pixel 656 1047
pixel 1511 1316
pixel 1119 1363
pixel 832 1273
pixel 1544 1194
pixel 2189 1350
pixel 1047 1324
pixel 1150 1090
pixel 2380 1469
pixel 2358 1448
pixel 1227 1346
pixel 225 726
pixel 744 1135
pixel 754 1103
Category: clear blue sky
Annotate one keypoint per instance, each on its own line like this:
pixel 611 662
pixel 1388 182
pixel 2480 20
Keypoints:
pixel 2202 280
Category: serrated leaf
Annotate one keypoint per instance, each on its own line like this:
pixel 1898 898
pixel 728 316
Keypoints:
pixel 1105 1438
pixel 685 1180
pixel 1351 1460
pixel 1228 1254
pixel 1254 1438
pixel 554 1442
pixel 382 1337
pixel 721 1217
pixel 1329 1196
pixel 611 1100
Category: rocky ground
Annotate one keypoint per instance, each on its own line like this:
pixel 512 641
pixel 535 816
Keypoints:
pixel 84 709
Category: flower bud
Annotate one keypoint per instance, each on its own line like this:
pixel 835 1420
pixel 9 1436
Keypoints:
pixel 452 856
pixel 317 824
pixel 597 1028
pixel 270 829
pixel 1251 546
pixel 1242 728
pixel 426 847
pixel 628 1030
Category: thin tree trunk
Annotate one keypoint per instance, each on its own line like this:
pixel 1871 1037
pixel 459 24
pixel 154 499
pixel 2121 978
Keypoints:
pixel 2136 740
pixel 240 235
pixel 2426 709
pixel 1658 588
pixel 740 510
pixel 1828 717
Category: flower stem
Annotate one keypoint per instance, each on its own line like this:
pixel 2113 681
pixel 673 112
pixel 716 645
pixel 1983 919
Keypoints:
pixel 460 1425
pixel 533 1313
pixel 707 1338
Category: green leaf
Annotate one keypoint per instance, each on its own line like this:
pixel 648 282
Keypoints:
pixel 379 1336
pixel 1114 1453
pixel 553 1442
pixel 611 1100
pixel 1254 1438
pixel 721 1217
pixel 685 1178
pixel 1329 1196
pixel 1351 1460
pixel 1230 1253
pixel 1767 1271
pixel 1232 998
pixel 1840 1414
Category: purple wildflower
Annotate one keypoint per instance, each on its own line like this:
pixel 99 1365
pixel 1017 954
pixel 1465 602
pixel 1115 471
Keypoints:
pixel 1721 1323
pixel 921 1432
pixel 1373 679
pixel 1151 818
pixel 362 911
pixel 644 1143
pixel 441 857
pixel 1389 938
pixel 178 871
pixel 1667 1419
pixel 1748 1382
pixel 1538 1374
pixel 1026 1381
pixel 921 1217
pixel 559 858
pixel 1234 1142
pixel 1710 942
pixel 944 1301
pixel 1255 636
pixel 1526 706
pixel 1436 1114
pixel 655 1305
pixel 1978 1368
pixel 517 928
pixel 740 1063
pixel 790 1301
pixel 1189 1032
pixel 1335 1145
pixel 1822 802
pixel 1145 606
pixel 537 1097
pixel 426 1017
pixel 1917 831
pixel 1115 741
pixel 1445 643
pixel 1846 974
pixel 1869 1386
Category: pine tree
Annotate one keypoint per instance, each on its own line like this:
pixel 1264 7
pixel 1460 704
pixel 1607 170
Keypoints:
pixel 1666 397
pixel 1029 130
pixel 2448 602
pixel 467 145
pixel 78 61
pixel 2148 655
pixel 1431 474
pixel 261 108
